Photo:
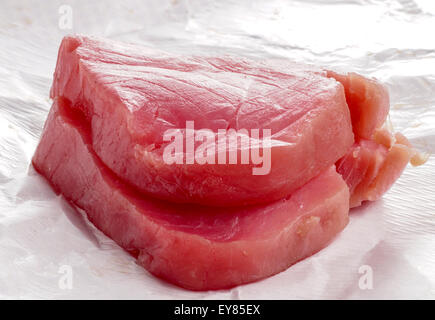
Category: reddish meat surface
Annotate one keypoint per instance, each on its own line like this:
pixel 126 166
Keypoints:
pixel 368 102
pixel 376 160
pixel 371 168
pixel 214 226
pixel 195 247
pixel 130 95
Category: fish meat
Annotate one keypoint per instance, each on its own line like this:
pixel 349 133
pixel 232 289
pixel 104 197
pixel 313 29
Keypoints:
pixel 368 101
pixel 132 95
pixel 372 166
pixel 193 246
pixel 211 224
pixel 378 157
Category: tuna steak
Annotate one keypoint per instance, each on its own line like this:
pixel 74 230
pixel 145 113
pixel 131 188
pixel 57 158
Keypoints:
pixel 193 246
pixel 131 95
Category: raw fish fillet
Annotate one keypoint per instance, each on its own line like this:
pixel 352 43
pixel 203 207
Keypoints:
pixel 214 226
pixel 131 95
pixel 195 247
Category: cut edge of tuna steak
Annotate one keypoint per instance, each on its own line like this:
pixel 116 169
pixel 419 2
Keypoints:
pixel 130 94
pixel 195 247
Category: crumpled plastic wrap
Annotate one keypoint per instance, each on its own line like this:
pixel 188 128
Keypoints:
pixel 386 251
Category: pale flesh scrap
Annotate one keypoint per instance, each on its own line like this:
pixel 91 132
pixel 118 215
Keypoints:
pixel 378 157
pixel 372 166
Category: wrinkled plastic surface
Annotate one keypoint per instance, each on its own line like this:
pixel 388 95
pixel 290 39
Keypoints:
pixel 41 236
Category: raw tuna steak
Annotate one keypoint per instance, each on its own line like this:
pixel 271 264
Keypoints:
pixel 192 246
pixel 131 95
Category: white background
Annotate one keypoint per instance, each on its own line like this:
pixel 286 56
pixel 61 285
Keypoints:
pixel 391 40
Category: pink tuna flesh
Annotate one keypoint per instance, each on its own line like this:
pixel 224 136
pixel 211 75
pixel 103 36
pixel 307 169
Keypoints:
pixel 131 95
pixel 368 102
pixel 193 246
pixel 370 169
pixel 375 161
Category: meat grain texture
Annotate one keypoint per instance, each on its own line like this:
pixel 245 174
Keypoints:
pixel 214 226
pixel 194 246
pixel 132 95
